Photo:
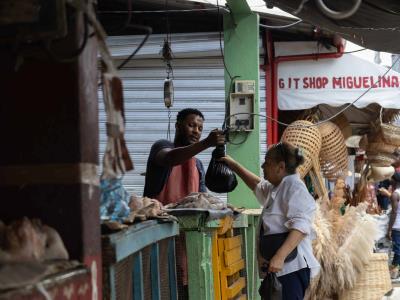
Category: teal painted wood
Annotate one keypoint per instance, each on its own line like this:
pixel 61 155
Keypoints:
pixel 172 270
pixel 253 280
pixel 139 236
pixel 155 272
pixel 137 277
pixel 201 278
pixel 111 271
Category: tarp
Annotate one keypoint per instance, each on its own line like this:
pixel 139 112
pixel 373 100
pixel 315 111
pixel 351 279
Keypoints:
pixel 337 81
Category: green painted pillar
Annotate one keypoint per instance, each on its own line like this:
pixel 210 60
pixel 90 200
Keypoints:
pixel 201 276
pixel 241 49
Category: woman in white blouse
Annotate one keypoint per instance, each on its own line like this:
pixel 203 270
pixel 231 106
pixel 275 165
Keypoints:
pixel 287 207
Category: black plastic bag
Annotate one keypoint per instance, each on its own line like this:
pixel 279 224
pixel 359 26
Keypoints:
pixel 219 177
pixel 271 288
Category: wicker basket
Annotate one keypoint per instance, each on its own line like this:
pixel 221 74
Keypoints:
pixel 380 159
pixel 307 138
pixel 390 132
pixel 344 125
pixel 333 156
pixel 373 283
pixel 381 148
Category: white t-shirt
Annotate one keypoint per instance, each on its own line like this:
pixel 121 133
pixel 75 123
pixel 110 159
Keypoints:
pixel 289 206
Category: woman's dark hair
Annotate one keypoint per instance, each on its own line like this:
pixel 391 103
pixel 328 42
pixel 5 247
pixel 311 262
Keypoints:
pixel 396 177
pixel 287 153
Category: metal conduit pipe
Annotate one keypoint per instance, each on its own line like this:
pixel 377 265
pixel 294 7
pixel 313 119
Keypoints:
pixel 338 15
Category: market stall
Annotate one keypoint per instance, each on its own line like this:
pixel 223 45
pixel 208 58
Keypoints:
pixel 329 104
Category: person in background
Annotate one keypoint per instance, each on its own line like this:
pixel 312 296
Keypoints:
pixel 384 192
pixel 173 172
pixel 287 207
pixel 393 232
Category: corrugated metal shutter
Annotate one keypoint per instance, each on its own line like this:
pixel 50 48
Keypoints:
pixel 198 83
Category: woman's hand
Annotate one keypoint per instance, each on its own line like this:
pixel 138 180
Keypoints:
pixel 228 160
pixel 276 263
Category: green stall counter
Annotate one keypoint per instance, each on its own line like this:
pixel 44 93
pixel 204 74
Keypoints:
pixel 221 248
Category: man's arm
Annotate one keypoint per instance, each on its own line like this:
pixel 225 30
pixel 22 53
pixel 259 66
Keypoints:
pixel 176 156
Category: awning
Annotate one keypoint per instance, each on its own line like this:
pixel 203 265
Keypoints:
pixel 305 84
pixel 375 25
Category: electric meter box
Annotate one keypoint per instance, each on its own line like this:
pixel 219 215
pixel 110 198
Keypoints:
pixel 241 106
pixel 245 86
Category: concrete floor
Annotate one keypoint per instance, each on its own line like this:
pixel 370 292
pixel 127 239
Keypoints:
pixel 395 295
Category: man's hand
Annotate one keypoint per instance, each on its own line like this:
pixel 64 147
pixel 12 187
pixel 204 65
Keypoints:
pixel 276 263
pixel 216 137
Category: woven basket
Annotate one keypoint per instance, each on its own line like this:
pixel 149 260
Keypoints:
pixel 390 132
pixel 333 156
pixel 307 138
pixel 381 148
pixel 344 125
pixel 373 283
pixel 380 159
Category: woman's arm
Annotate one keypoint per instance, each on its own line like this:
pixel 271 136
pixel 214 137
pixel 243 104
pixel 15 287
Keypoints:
pixel 248 177
pixel 292 241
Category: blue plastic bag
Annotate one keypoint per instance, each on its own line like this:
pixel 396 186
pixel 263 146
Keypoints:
pixel 114 200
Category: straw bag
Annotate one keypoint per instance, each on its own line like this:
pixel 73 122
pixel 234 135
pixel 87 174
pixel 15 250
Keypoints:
pixel 307 138
pixel 373 283
pixel 390 132
pixel 333 155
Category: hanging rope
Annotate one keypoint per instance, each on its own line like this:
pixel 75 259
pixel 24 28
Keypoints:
pixel 169 125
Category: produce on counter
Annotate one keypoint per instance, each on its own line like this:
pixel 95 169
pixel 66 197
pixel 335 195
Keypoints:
pixel 28 240
pixel 199 200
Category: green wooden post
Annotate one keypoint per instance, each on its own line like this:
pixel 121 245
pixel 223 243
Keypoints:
pixel 253 280
pixel 241 48
pixel 198 247
pixel 247 223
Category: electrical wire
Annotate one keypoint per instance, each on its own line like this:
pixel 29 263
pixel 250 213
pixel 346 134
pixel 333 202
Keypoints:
pixel 160 11
pixel 220 43
pixel 354 51
pixel 148 30
pixel 323 121
pixel 280 26
pixel 127 21
pixel 76 53
pixel 232 78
